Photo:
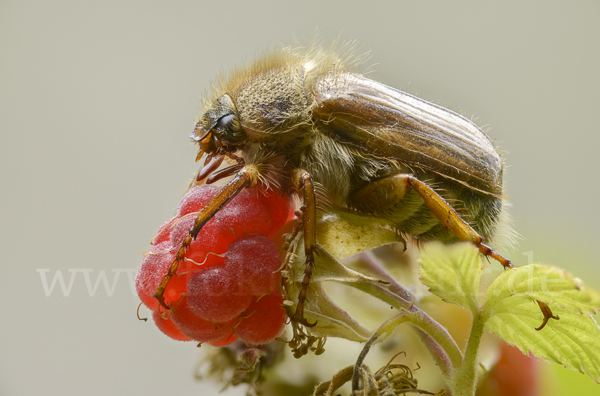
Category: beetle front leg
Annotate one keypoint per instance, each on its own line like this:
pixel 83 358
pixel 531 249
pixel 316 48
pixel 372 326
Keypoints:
pixel 303 181
pixel 246 177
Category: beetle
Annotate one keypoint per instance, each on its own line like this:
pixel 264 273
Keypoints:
pixel 301 121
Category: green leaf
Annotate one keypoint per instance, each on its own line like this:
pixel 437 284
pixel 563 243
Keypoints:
pixel 539 282
pixel 513 314
pixel 573 340
pixel 452 272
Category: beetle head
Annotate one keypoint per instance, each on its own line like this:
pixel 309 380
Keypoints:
pixel 219 129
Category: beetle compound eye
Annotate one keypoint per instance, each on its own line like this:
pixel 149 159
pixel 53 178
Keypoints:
pixel 224 123
pixel 229 130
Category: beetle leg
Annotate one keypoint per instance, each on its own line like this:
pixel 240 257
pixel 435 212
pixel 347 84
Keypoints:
pixel 379 195
pixel 387 192
pixel 246 177
pixel 303 180
pixel 451 219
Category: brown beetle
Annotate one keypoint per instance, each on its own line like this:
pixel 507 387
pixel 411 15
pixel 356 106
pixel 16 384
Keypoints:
pixel 298 121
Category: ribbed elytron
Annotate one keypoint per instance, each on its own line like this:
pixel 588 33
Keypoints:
pixel 297 121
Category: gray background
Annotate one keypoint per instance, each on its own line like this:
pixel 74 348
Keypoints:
pixel 97 100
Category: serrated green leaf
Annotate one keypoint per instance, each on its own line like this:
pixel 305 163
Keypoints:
pixel 452 272
pixel 539 282
pixel 573 340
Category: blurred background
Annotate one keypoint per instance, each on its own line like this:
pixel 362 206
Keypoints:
pixel 97 100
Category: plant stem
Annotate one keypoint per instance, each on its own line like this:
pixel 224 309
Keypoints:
pixel 407 301
pixel 387 327
pixel 465 379
pixel 375 265
pixel 439 342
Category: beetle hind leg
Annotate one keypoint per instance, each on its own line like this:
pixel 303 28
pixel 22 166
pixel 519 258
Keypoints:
pixel 387 192
pixel 451 219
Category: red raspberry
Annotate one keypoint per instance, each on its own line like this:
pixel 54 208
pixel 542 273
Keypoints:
pixel 245 214
pixel 263 321
pixel 214 294
pixel 278 206
pixel 228 339
pixel 209 240
pixel 255 261
pixel 197 328
pixel 164 232
pixel 151 272
pixel 196 199
pixel 168 327
pixel 230 261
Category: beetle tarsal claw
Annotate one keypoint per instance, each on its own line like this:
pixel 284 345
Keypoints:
pixel 299 318
pixel 547 315
pixel 159 295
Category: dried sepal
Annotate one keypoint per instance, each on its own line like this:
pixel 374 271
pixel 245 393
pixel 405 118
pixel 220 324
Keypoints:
pixel 345 234
pixel 389 380
pixel 239 364
pixel 328 388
